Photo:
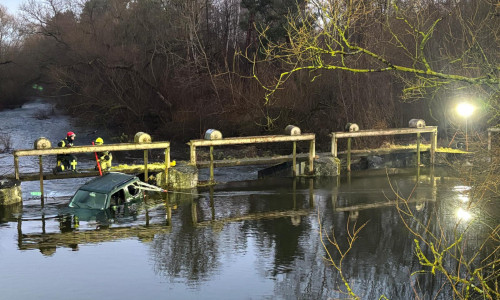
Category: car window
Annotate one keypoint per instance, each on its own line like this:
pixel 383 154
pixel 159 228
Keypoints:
pixel 87 199
pixel 118 198
pixel 133 190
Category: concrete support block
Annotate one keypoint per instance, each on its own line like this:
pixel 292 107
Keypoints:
pixel 182 176
pixel 326 166
pixel 10 213
pixel 10 192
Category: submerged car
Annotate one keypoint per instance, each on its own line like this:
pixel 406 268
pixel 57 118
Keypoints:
pixel 111 190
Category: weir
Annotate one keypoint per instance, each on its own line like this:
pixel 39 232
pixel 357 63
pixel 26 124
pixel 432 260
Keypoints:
pixel 163 168
pixel 311 137
pixel 381 132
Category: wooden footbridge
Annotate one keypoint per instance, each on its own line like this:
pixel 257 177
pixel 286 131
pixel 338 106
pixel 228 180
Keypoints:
pixel 86 149
pixel 381 132
pixel 211 143
pixel 163 168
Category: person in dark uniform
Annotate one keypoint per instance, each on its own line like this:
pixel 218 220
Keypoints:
pixel 66 161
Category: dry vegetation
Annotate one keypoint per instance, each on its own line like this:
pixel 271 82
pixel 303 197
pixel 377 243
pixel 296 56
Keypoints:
pixel 5 143
pixel 177 68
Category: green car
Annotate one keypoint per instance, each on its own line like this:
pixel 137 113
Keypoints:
pixel 111 190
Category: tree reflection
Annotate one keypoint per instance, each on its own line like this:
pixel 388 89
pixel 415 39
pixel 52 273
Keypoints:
pixel 187 252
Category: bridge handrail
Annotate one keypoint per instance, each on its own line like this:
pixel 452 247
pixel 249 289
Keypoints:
pixel 490 130
pixel 311 137
pixel 380 132
pixel 254 139
pixel 93 148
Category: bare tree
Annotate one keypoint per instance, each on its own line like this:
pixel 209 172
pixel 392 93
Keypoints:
pixel 8 38
pixel 428 45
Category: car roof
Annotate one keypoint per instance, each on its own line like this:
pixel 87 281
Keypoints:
pixel 108 182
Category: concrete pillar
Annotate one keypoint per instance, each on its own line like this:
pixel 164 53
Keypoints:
pixel 10 191
pixel 182 176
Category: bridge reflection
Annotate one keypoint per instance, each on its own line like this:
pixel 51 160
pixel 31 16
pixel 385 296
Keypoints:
pixel 69 228
pixel 63 228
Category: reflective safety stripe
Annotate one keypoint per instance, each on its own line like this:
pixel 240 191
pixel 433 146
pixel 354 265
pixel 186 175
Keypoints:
pixel 73 164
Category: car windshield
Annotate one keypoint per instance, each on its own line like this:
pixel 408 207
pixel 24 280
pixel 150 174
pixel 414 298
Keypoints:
pixel 87 199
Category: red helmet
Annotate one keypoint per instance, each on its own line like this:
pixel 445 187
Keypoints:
pixel 70 133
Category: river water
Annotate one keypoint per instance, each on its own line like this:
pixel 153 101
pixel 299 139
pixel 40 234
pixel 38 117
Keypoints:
pixel 245 239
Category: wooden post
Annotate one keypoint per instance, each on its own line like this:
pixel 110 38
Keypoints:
pixel 192 154
pixel 489 140
pixel 294 159
pixel 212 206
pixel 349 154
pixel 168 216
pixel 294 193
pixel 168 208
pixel 16 166
pixel 334 145
pixel 489 146
pixel 147 217
pixel 41 174
pixel 311 193
pixel 19 231
pixel 194 214
pixel 167 165
pixel 433 146
pixel 434 185
pixel 145 165
pixel 312 154
pixel 212 164
pixel 335 193
pixel 418 150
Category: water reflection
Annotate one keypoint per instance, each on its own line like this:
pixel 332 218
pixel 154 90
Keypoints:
pixel 374 192
pixel 263 233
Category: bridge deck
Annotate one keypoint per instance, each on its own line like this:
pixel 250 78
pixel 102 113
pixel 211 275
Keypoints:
pixel 84 173
pixel 153 168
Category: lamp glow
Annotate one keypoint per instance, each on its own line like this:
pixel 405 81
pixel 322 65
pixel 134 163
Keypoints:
pixel 463 198
pixel 463 214
pixel 465 109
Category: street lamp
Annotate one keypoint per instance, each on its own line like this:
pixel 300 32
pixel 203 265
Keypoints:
pixel 465 110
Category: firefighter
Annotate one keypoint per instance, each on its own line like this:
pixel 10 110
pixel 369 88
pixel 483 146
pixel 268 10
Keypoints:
pixel 66 162
pixel 105 157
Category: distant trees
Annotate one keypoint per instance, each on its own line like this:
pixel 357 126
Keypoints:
pixel 152 62
pixel 7 35
pixel 169 66
pixel 9 46
pixel 430 50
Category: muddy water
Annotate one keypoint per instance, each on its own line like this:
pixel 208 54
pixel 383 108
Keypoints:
pixel 246 239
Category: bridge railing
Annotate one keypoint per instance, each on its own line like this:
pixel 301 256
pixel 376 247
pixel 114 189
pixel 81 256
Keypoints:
pixel 311 137
pixel 381 132
pixel 490 131
pixel 94 148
